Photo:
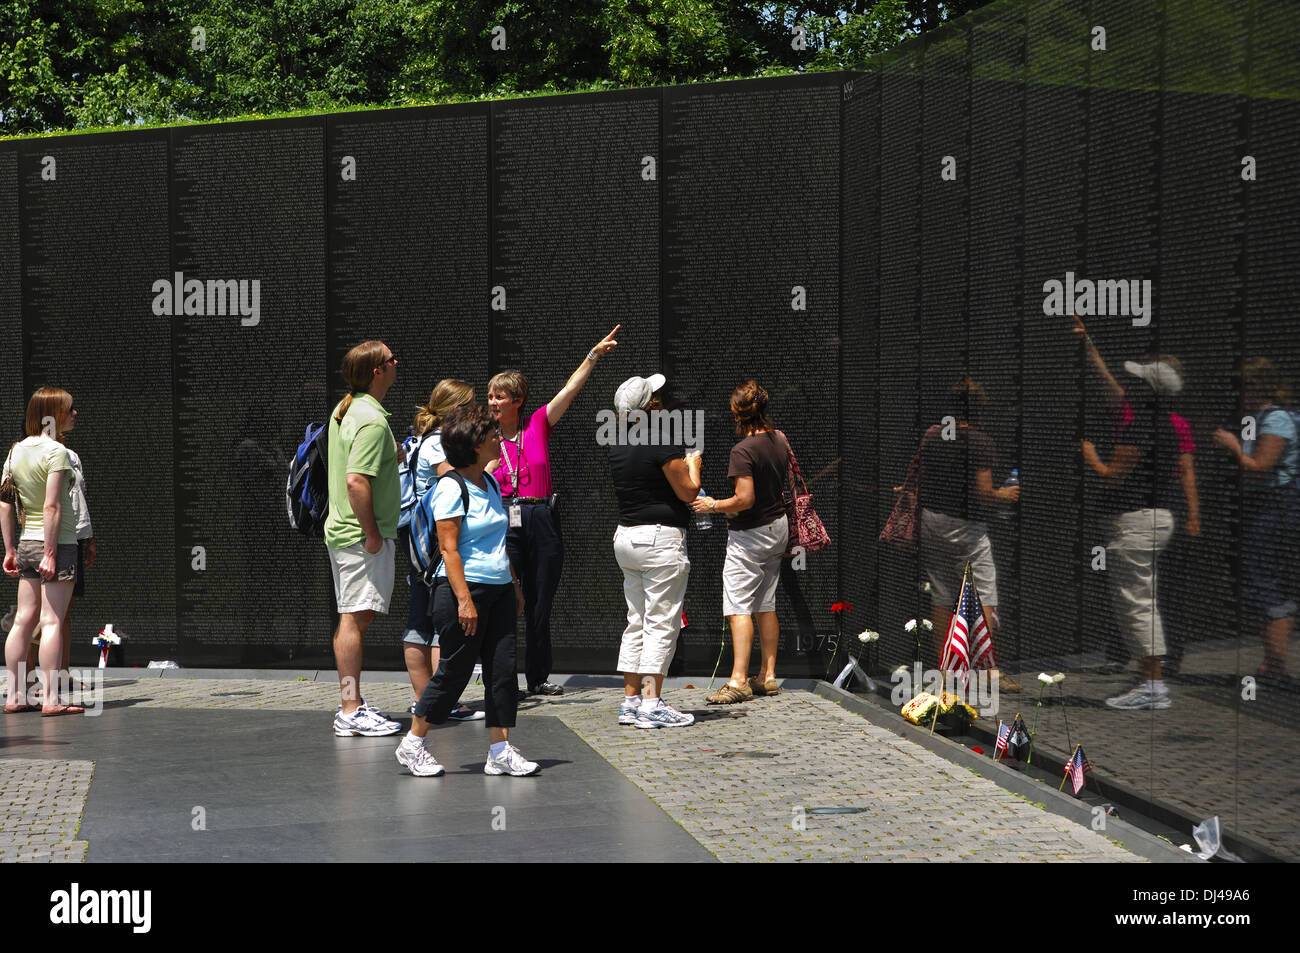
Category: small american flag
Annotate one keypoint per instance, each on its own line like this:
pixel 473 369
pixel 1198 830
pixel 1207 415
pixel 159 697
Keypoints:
pixel 961 652
pixel 1004 732
pixel 1076 768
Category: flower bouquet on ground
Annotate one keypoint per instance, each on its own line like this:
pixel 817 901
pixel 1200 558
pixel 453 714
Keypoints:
pixel 945 709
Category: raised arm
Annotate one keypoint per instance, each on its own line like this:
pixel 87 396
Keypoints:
pixel 558 404
pixel 684 476
pixel 1114 393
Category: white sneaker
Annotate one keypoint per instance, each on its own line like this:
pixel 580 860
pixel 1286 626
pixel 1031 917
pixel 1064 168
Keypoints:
pixel 418 759
pixel 366 720
pixel 627 713
pixel 511 762
pixel 1142 698
pixel 663 716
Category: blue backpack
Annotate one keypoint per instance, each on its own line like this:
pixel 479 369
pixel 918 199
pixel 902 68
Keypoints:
pixel 307 492
pixel 406 477
pixel 424 533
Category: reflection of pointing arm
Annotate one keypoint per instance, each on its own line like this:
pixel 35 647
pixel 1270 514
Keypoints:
pixel 1114 393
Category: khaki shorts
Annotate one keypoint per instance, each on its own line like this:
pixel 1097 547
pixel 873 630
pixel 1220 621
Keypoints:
pixel 752 569
pixel 363 581
pixel 30 553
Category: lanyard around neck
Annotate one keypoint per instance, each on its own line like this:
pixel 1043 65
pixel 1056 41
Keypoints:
pixel 518 441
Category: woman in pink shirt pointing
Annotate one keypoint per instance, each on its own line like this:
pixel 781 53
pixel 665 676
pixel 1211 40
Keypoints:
pixel 533 540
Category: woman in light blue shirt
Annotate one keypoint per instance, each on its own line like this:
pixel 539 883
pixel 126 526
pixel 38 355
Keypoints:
pixel 476 597
pixel 420 648
pixel 1267 455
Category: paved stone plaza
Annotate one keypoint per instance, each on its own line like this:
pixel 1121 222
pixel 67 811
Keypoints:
pixel 254 752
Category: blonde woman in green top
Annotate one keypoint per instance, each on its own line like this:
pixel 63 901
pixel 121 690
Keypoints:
pixel 44 558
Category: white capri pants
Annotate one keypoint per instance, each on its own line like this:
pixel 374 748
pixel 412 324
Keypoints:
pixel 1137 539
pixel 947 544
pixel 655 570
pixel 753 568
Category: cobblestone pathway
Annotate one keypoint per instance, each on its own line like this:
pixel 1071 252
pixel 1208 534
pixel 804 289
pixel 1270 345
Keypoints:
pixel 40 809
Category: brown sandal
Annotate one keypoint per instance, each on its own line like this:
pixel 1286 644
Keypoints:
pixel 770 687
pixel 729 694
pixel 62 710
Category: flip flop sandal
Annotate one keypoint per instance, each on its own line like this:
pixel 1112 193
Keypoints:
pixel 17 709
pixel 728 694
pixel 62 710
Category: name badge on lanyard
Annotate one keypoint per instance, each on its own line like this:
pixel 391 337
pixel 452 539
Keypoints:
pixel 516 511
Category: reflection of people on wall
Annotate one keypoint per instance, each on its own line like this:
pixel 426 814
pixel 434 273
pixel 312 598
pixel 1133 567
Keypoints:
pixel 1269 505
pixel 1178 576
pixel 1137 479
pixel 259 465
pixel 955 497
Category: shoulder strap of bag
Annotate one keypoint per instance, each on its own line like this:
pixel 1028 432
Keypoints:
pixel 795 475
pixel 464 488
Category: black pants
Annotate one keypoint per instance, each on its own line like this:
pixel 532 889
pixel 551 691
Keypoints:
pixel 493 644
pixel 537 552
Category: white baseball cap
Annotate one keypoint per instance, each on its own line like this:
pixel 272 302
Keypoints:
pixel 634 393
pixel 1161 375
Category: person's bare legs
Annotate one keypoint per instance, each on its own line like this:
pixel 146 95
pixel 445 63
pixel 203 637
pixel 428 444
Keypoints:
pixel 742 639
pixel 1277 636
pixel 55 599
pixel 421 662
pixel 19 640
pixel 769 639
pixel 66 634
pixel 347 655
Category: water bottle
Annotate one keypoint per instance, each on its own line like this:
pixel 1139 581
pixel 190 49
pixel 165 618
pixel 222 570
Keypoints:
pixel 1006 512
pixel 703 520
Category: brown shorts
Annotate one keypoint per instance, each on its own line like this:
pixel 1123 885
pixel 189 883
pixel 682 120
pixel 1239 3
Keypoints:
pixel 32 551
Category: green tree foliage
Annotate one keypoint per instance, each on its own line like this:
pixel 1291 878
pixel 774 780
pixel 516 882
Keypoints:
pixel 94 63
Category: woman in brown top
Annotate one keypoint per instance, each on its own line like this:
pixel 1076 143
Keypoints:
pixel 756 541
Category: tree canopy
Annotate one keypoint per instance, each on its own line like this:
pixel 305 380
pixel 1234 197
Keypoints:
pixel 68 64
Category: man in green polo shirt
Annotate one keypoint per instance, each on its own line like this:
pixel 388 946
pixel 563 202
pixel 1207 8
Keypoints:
pixel 361 526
